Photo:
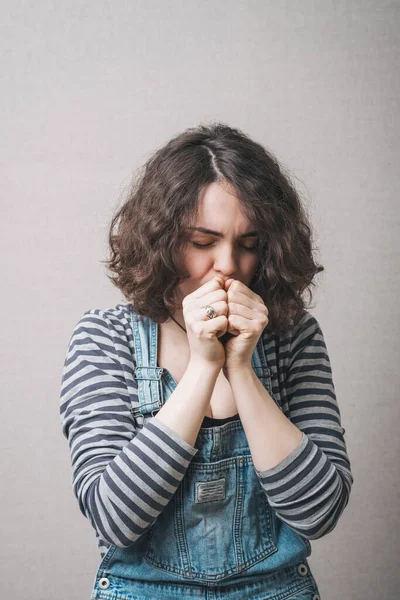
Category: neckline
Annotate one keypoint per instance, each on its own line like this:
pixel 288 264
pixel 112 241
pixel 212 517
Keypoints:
pixel 225 419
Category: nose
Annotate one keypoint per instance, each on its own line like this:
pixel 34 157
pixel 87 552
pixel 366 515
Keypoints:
pixel 225 266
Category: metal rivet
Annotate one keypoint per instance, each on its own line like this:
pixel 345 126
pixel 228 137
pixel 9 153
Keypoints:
pixel 316 597
pixel 302 570
pixel 104 583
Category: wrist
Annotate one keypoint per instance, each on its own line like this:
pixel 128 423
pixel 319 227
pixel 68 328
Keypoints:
pixel 198 364
pixel 233 370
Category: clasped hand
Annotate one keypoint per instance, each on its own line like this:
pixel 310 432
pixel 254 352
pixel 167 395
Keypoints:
pixel 247 318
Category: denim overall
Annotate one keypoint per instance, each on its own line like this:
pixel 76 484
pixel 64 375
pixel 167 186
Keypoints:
pixel 217 538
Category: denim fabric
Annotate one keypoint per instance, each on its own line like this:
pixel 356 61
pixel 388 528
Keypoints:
pixel 218 537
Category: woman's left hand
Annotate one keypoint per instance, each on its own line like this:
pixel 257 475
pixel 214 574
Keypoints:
pixel 247 319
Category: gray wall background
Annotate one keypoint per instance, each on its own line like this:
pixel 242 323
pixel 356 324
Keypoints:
pixel 89 90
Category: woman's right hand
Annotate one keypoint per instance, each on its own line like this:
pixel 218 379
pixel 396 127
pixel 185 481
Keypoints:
pixel 202 332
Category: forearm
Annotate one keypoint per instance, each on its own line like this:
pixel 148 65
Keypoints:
pixel 185 409
pixel 271 435
pixel 123 476
pixel 143 478
pixel 307 487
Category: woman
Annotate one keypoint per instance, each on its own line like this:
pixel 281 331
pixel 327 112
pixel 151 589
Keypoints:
pixel 205 436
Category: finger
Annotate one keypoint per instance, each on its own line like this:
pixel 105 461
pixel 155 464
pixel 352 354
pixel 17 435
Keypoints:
pixel 237 323
pixel 212 326
pixel 211 298
pixel 238 299
pixel 244 320
pixel 250 309
pixel 241 310
pixel 256 303
pixel 242 288
pixel 214 284
pixel 220 308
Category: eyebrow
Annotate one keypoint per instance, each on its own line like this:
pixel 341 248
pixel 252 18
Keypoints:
pixel 219 234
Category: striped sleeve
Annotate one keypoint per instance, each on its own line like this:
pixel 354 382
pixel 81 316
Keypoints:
pixel 122 477
pixel 310 488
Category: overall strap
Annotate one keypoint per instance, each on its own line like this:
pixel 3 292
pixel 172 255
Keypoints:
pixel 260 365
pixel 146 372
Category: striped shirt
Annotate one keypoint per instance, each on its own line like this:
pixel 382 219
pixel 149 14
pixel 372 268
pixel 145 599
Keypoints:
pixel 123 477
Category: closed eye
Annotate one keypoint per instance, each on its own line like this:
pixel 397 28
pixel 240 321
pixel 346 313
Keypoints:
pixel 249 248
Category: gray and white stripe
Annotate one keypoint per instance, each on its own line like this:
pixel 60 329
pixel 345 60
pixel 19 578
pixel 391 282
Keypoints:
pixel 311 487
pixel 123 477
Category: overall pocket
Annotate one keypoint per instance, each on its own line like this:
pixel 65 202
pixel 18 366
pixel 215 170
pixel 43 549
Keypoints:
pixel 218 523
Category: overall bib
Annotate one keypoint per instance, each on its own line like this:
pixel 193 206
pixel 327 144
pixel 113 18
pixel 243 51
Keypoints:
pixel 218 537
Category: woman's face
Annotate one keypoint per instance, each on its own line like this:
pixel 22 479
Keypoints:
pixel 229 252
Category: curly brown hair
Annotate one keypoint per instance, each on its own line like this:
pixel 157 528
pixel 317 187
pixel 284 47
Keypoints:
pixel 149 232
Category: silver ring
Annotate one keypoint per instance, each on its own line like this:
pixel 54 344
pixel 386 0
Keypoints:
pixel 210 311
